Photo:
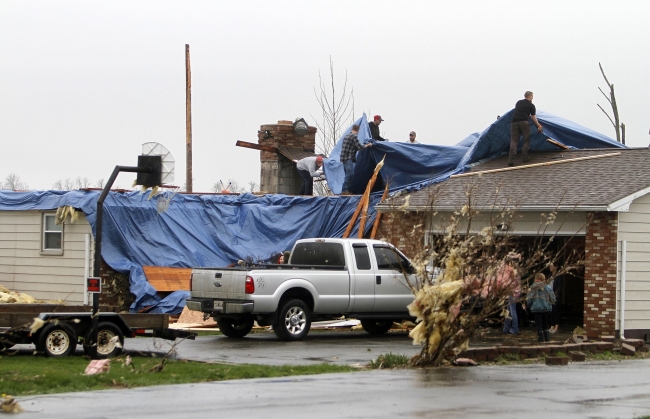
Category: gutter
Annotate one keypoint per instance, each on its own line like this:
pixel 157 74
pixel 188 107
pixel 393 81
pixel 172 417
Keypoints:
pixel 587 208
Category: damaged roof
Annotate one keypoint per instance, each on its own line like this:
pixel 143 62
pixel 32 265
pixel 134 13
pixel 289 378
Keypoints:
pixel 584 180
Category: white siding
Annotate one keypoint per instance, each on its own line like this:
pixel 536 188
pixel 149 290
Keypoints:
pixel 634 227
pixel 23 268
pixel 525 224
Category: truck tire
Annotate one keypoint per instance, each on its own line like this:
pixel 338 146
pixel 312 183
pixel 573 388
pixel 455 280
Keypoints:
pixel 294 321
pixel 106 348
pixel 236 328
pixel 57 340
pixel 376 327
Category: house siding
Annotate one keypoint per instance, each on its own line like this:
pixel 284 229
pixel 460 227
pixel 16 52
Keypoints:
pixel 25 269
pixel 634 228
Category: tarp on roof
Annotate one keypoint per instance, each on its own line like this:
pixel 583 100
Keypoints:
pixel 195 230
pixel 217 230
pixel 413 166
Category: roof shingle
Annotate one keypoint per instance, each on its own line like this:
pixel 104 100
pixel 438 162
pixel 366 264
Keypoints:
pixel 587 185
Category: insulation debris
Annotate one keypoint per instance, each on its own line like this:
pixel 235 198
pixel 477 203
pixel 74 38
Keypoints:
pixel 14 297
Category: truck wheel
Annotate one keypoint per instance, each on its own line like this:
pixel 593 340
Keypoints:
pixel 106 346
pixel 294 320
pixel 236 328
pixel 57 340
pixel 375 327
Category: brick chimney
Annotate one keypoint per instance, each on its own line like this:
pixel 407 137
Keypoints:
pixel 279 174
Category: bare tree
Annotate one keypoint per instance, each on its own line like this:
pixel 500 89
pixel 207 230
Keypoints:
pixel 13 183
pixel 71 185
pixel 463 276
pixel 231 186
pixel 337 112
pixel 619 127
pixel 253 187
pixel 82 183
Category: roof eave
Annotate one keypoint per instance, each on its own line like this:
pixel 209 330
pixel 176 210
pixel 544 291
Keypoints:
pixel 623 204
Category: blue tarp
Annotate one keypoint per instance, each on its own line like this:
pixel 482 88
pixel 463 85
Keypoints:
pixel 217 230
pixel 413 166
pixel 196 230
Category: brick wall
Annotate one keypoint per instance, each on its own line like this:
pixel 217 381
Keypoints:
pixel 396 228
pixel 278 174
pixel 115 288
pixel 600 274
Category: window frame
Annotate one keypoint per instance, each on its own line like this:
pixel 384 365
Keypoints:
pixel 399 255
pixel 356 246
pixel 44 233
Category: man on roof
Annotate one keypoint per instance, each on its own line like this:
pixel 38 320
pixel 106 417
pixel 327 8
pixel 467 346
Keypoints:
pixel 309 168
pixel 348 157
pixel 524 109
pixel 412 138
pixel 374 128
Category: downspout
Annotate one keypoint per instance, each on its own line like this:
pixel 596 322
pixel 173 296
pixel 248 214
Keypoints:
pixel 86 266
pixel 623 271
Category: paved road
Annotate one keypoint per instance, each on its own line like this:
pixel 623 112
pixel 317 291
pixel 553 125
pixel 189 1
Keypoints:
pixel 587 390
pixel 606 390
pixel 338 347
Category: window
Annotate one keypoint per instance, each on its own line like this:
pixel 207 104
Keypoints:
pixel 318 253
pixel 389 258
pixel 361 256
pixel 52 235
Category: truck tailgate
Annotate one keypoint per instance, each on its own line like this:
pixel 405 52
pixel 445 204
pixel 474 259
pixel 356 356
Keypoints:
pixel 219 284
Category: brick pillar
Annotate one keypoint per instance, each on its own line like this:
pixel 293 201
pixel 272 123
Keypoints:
pixel 278 174
pixel 600 274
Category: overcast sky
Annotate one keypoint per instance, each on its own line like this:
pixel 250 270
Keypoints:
pixel 84 84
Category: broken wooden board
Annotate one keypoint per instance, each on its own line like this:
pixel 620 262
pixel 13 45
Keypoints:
pixel 168 279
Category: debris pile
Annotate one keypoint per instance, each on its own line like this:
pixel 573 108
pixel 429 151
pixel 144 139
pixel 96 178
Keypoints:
pixel 14 297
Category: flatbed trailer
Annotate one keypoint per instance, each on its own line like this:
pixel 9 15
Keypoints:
pixel 56 330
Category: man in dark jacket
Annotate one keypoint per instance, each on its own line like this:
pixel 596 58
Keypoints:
pixel 524 109
pixel 374 128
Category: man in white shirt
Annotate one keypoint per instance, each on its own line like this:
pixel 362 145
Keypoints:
pixel 308 169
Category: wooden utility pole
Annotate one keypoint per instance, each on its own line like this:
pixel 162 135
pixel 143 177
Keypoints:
pixel 188 121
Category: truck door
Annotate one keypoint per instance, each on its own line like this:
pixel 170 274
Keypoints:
pixel 362 295
pixel 391 290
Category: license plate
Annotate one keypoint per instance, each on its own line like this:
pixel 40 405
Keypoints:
pixel 218 304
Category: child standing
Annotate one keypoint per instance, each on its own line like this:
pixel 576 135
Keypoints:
pixel 540 300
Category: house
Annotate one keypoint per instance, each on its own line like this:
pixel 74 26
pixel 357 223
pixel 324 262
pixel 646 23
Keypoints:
pixel 47 260
pixel 603 208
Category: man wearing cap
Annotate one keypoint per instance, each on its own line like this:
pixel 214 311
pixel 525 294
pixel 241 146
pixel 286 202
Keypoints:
pixel 309 168
pixel 374 128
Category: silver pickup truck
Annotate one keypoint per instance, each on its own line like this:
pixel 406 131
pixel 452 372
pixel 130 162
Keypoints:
pixel 324 279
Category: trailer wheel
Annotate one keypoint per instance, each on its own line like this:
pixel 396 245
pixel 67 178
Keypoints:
pixel 375 327
pixel 294 320
pixel 57 340
pixel 107 346
pixel 236 328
